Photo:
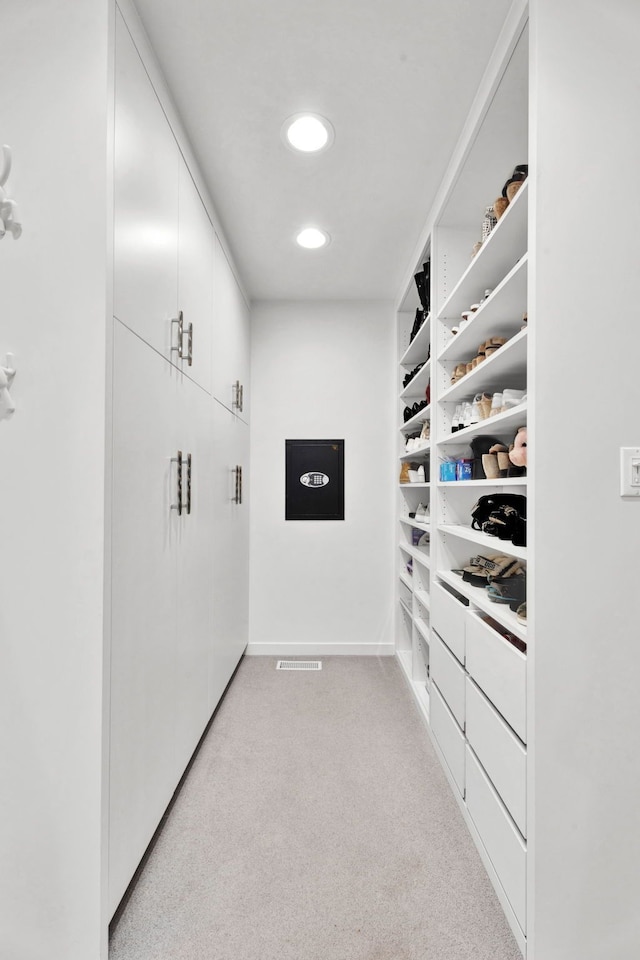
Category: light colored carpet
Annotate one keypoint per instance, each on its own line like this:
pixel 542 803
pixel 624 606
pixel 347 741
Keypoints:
pixel 315 824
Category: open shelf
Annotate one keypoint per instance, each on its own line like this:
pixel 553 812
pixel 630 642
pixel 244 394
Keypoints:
pixel 417 387
pixel 507 367
pixel 418 419
pixel 419 346
pixel 501 423
pixel 499 316
pixel 502 249
pixel 417 454
pixel 425 527
pixel 492 544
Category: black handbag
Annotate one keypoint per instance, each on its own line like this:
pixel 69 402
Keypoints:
pixel 485 506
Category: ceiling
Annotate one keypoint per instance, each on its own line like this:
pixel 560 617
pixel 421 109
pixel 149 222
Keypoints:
pixel 396 79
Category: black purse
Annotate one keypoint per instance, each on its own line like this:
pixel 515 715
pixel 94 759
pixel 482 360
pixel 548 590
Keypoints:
pixel 502 515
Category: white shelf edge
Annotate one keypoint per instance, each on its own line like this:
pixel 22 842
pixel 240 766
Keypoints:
pixel 415 453
pixel 511 345
pixel 483 540
pixel 501 419
pixel 414 382
pixel 418 418
pixel 418 486
pixel 500 482
pixel 426 527
pixel 522 264
pixel 405 580
pixel 422 629
pixel 420 335
pixel 488 244
pixel 424 599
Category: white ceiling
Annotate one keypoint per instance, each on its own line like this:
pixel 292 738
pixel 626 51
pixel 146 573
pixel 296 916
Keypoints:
pixel 396 79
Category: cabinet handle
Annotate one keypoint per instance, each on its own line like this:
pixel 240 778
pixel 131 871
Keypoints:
pixel 180 322
pixel 240 471
pixel 190 344
pixel 178 506
pixel 241 397
pixel 237 497
pixel 237 395
pixel 188 483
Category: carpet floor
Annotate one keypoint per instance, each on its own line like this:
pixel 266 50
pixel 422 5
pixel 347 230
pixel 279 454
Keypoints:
pixel 315 824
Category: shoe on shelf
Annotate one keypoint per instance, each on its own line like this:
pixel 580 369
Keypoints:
pixel 512 398
pixel 422 513
pixel 521 613
pixel 480 569
pixel 416 473
pixel 493 344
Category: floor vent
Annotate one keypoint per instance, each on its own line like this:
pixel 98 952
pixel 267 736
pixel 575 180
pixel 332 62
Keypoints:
pixel 299 665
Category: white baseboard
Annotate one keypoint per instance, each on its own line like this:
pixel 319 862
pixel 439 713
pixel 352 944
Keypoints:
pixel 320 649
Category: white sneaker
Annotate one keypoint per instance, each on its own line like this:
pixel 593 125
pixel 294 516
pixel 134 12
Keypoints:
pixel 511 398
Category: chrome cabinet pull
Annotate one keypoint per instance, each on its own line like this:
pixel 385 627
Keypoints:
pixel 189 460
pixel 237 497
pixel 241 397
pixel 190 344
pixel 180 322
pixel 238 391
pixel 178 506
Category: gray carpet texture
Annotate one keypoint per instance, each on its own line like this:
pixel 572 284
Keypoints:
pixel 315 824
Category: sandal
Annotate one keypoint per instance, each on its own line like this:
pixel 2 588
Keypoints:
pixel 480 570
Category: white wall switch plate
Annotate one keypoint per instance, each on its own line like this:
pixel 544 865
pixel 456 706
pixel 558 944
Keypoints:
pixel 630 471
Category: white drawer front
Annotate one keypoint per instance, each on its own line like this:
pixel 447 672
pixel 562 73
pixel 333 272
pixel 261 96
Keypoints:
pixel 449 675
pixel 503 843
pixel 499 670
pixel 449 736
pixel 448 619
pixel 502 755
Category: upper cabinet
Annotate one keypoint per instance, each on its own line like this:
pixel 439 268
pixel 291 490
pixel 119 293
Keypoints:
pixel 146 202
pixel 163 237
pixel 231 339
pixel 193 332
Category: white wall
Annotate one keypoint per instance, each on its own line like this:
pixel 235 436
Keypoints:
pixel 586 338
pixel 323 370
pixel 53 113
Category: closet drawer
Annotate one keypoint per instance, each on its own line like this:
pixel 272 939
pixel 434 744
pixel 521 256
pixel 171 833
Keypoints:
pixel 499 670
pixel 449 675
pixel 504 845
pixel 448 619
pixel 449 736
pixel 500 752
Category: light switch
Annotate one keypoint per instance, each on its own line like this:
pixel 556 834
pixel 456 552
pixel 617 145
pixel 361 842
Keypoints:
pixel 630 471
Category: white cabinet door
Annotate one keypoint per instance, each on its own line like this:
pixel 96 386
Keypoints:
pixel 231 337
pixel 194 636
pixel 195 281
pixel 231 551
pixel 144 538
pixel 146 179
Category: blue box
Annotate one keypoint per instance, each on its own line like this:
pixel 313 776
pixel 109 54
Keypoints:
pixel 448 470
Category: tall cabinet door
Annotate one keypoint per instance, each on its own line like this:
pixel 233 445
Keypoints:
pixel 231 338
pixel 146 187
pixel 144 537
pixel 231 550
pixel 195 282
pixel 195 626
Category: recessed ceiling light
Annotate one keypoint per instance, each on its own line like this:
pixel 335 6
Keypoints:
pixel 312 239
pixel 307 133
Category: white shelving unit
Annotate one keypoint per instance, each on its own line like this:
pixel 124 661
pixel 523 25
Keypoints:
pixel 463 654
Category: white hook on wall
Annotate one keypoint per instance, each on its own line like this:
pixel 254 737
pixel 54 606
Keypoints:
pixel 9 218
pixel 7 406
